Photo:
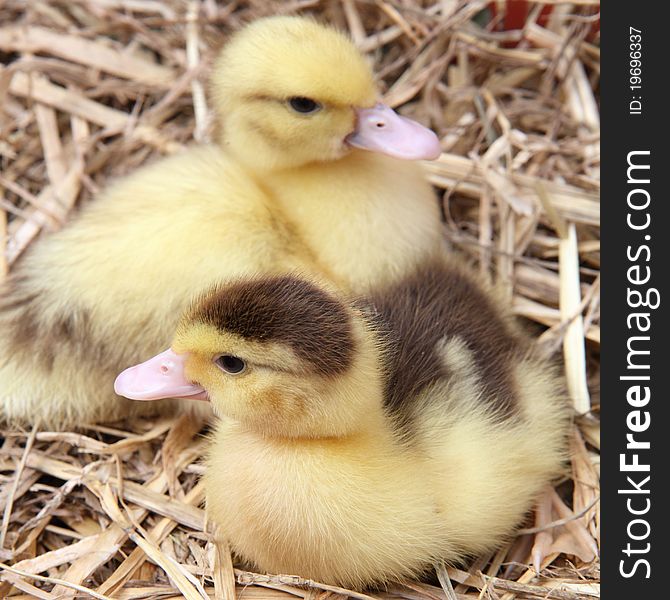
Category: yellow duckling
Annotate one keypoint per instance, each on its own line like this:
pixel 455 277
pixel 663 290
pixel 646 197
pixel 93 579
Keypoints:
pixel 361 441
pixel 308 173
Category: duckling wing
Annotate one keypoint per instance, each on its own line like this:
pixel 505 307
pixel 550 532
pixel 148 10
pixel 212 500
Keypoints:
pixel 108 289
pixel 442 327
pixel 464 387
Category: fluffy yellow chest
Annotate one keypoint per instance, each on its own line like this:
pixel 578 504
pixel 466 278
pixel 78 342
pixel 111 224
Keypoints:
pixel 346 513
pixel 366 217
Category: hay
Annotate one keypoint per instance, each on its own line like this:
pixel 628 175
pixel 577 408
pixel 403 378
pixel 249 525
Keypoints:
pixel 90 89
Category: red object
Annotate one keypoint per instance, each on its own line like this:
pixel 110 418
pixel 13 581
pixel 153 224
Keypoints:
pixel 515 14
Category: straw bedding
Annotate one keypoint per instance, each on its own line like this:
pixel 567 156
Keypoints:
pixel 90 89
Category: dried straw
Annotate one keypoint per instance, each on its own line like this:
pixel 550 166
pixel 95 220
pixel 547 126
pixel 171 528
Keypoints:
pixel 91 89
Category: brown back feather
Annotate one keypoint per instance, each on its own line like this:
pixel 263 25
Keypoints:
pixel 437 302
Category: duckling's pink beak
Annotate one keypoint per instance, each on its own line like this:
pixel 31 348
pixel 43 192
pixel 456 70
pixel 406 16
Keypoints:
pixel 381 129
pixel 159 377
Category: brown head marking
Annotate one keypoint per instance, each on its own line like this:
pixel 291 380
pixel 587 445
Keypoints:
pixel 285 310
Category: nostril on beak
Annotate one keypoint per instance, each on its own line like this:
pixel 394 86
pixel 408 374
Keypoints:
pixel 380 124
pixel 165 368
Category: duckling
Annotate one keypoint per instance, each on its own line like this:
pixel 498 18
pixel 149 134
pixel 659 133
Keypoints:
pixel 309 171
pixel 360 440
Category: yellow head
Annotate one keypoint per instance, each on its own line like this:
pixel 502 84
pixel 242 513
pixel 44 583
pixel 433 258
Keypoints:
pixel 289 91
pixel 278 354
pixel 285 89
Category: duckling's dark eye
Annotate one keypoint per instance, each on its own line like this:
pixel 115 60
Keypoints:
pixel 304 105
pixel 230 364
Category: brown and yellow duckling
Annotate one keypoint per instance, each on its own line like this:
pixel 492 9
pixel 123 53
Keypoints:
pixel 309 171
pixel 360 441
